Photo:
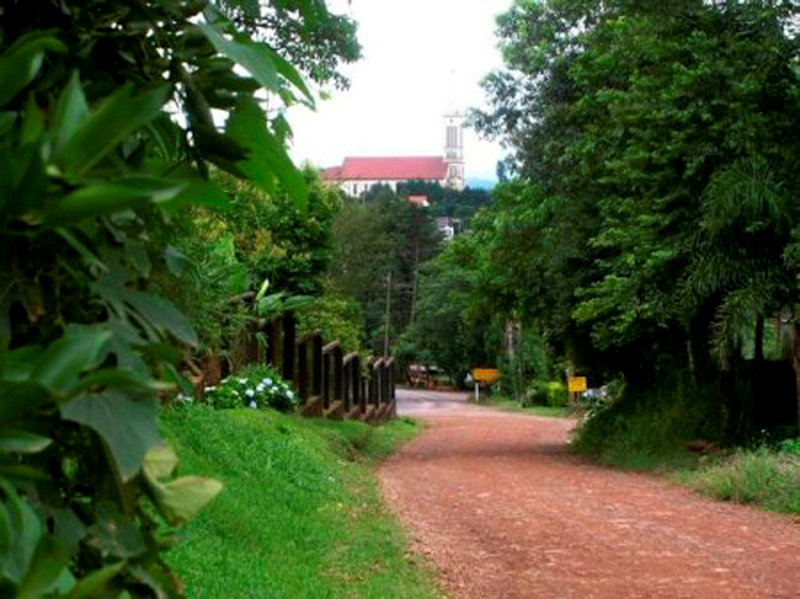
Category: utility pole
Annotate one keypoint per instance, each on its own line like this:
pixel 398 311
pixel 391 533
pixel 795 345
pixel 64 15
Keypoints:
pixel 415 284
pixel 388 314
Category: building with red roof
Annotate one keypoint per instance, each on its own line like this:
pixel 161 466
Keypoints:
pixel 358 174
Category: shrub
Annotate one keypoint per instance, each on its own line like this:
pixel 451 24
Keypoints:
pixel 551 393
pixel 790 446
pixel 762 477
pixel 557 394
pixel 648 426
pixel 254 387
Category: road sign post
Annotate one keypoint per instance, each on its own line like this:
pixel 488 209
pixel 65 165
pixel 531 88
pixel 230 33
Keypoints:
pixel 486 376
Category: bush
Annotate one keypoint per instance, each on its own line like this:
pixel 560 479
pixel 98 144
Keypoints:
pixel 762 477
pixel 557 394
pixel 790 446
pixel 648 427
pixel 541 393
pixel 254 387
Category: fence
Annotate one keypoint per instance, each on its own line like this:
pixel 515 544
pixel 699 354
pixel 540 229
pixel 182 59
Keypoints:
pixel 329 383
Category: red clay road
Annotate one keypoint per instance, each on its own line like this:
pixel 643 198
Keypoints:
pixel 502 511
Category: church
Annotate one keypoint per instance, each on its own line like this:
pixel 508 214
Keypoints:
pixel 358 174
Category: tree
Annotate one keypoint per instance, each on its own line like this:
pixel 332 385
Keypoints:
pixel 627 120
pixel 451 329
pixel 380 242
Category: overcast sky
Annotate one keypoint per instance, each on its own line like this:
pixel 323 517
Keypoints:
pixel 421 59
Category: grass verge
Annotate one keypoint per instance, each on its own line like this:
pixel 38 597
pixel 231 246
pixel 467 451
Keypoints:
pixel 300 515
pixel 512 405
pixel 762 477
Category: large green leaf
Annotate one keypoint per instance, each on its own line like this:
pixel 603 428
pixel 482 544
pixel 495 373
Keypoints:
pixel 128 427
pixel 64 360
pixel 183 497
pixel 286 69
pixel 101 131
pixel 267 157
pixel 256 58
pixel 104 198
pixel 49 562
pixel 17 398
pixel 94 585
pixel 23 531
pixel 160 313
pixel 22 61
pixel 72 109
pixel 32 122
pixel 16 441
pixel 160 462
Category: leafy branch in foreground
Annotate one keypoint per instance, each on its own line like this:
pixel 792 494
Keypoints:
pixel 106 129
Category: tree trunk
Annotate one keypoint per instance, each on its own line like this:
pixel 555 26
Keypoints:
pixel 796 362
pixel 758 351
pixel 690 358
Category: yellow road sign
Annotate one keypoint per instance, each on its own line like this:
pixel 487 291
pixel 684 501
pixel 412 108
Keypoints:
pixel 485 375
pixel 576 384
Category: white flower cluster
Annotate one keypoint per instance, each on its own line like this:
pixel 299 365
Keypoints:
pixel 252 391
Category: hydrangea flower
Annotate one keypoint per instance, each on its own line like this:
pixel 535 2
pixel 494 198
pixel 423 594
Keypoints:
pixel 242 381
pixel 250 393
pixel 253 404
pixel 260 388
pixel 210 389
pixel 268 381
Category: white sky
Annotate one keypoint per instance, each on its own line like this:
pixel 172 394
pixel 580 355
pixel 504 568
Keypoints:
pixel 421 59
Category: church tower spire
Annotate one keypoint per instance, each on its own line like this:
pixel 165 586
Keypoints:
pixel 454 149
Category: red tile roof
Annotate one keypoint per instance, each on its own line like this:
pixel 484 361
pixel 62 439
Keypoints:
pixel 389 169
pixel 333 173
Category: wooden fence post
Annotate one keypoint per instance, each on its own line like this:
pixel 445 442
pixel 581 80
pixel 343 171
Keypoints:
pixel 326 380
pixel 287 362
pixel 301 376
pixel 338 379
pixel 316 365
pixel 346 366
pixel 273 332
pixel 355 382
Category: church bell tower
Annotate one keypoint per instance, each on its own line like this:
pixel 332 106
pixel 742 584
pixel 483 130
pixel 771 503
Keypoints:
pixel 454 150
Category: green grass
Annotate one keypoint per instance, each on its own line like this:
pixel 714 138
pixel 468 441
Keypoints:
pixel 761 477
pixel 300 515
pixel 512 405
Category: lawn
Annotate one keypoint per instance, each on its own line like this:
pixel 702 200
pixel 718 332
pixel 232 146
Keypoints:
pixel 300 515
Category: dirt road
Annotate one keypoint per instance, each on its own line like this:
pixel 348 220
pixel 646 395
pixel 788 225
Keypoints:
pixel 503 512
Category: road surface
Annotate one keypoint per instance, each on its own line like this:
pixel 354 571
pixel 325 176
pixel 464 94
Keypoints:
pixel 503 511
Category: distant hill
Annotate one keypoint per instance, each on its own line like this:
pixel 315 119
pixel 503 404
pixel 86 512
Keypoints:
pixel 476 183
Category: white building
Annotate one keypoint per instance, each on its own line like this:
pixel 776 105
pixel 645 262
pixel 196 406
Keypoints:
pixel 358 174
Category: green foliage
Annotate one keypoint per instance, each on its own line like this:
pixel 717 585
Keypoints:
pixel 649 219
pixel 760 477
pixel 254 387
pixel 335 316
pixel 651 427
pixel 106 135
pixel 448 329
pixel 445 201
pixel 301 515
pixel 791 446
pixel 375 238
